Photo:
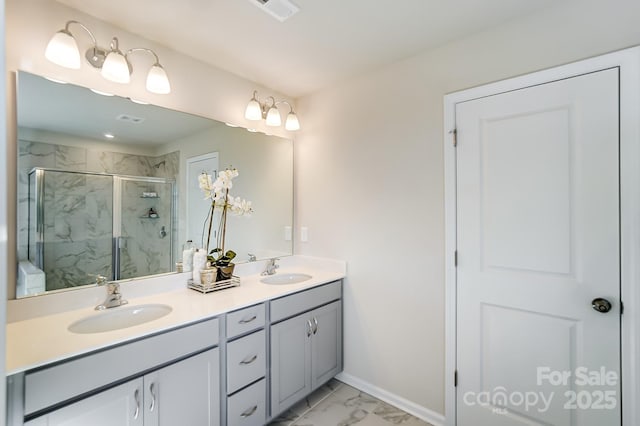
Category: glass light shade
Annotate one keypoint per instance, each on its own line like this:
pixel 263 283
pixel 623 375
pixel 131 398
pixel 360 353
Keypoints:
pixel 253 111
pixel 157 80
pixel 63 50
pixel 115 68
pixel 273 117
pixel 292 123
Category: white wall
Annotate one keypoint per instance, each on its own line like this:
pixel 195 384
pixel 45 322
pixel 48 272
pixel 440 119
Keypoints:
pixel 4 249
pixel 369 184
pixel 264 165
pixel 197 88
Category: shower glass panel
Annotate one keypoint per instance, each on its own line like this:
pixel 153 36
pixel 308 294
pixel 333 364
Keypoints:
pixel 144 242
pixel 86 224
pixel 71 219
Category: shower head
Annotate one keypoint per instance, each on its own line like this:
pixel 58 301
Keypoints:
pixel 162 163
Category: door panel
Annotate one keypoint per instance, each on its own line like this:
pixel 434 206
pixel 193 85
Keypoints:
pixel 118 406
pixel 538 240
pixel 184 393
pixel 290 362
pixel 326 343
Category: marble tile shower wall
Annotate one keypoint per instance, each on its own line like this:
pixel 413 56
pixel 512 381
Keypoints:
pixel 145 250
pixel 79 219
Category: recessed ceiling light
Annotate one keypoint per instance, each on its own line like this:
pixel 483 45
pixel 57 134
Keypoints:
pixel 55 80
pixel 252 130
pixel 136 101
pixel 100 92
pixel 230 125
pixel 109 135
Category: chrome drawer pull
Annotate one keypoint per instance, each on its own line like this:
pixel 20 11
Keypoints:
pixel 247 321
pixel 136 397
pixel 153 397
pixel 249 412
pixel 246 362
pixel 310 329
pixel 315 325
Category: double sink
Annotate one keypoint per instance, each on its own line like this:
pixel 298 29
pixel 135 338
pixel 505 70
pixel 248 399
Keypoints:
pixel 129 316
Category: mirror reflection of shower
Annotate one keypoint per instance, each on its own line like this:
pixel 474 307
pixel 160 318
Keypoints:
pixel 84 224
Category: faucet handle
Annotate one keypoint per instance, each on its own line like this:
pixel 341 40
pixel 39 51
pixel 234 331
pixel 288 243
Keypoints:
pixel 100 279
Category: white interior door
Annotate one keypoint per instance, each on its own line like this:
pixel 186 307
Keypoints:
pixel 197 206
pixel 538 240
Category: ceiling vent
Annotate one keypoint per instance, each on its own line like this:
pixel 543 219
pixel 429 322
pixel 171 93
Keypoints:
pixel 279 9
pixel 130 118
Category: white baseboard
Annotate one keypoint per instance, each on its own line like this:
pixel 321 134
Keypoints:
pixel 436 419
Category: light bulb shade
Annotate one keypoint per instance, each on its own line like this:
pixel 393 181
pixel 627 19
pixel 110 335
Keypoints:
pixel 273 117
pixel 116 68
pixel 63 50
pixel 292 123
pixel 253 111
pixel 157 80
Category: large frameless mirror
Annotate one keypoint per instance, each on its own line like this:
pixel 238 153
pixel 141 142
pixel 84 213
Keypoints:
pixel 108 186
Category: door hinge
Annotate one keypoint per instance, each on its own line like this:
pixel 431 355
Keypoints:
pixel 621 308
pixel 455 258
pixel 455 379
pixel 454 132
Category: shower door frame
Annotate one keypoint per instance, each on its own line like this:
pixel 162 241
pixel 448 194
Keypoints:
pixel 116 231
pixel 117 219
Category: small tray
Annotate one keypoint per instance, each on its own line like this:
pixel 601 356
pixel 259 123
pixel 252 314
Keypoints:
pixel 216 286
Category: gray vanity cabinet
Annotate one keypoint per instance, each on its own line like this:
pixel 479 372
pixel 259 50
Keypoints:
pixel 184 393
pixel 118 406
pixel 187 392
pixel 306 351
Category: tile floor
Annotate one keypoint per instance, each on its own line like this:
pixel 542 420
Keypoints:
pixel 338 404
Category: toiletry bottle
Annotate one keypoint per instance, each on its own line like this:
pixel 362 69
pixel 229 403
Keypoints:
pixel 199 263
pixel 187 256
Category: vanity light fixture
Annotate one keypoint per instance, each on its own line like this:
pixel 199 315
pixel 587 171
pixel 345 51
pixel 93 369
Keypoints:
pixel 268 110
pixel 113 64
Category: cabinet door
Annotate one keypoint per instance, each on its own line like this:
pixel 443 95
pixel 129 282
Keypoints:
pixel 184 393
pixel 290 362
pixel 326 343
pixel 118 406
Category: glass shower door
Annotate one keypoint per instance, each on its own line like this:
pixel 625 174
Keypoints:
pixel 144 244
pixel 73 233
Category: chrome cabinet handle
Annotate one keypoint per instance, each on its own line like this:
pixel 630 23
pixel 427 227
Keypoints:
pixel 249 412
pixel 247 321
pixel 136 397
pixel 309 330
pixel 153 396
pixel 247 362
pixel 315 325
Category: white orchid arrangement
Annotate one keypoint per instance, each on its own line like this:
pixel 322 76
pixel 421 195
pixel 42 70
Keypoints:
pixel 218 192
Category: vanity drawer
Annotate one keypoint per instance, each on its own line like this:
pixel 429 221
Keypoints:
pixel 294 304
pixel 246 361
pixel 245 320
pixel 248 407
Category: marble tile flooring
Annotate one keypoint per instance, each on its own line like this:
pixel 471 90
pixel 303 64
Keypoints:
pixel 338 404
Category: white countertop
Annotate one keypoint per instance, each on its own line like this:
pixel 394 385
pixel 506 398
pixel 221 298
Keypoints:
pixel 34 341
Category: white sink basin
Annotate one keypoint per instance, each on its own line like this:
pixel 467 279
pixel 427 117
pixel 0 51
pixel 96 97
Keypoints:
pixel 120 317
pixel 286 278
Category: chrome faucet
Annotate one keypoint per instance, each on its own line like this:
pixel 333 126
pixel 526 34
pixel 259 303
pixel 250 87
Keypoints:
pixel 252 257
pixel 270 267
pixel 114 297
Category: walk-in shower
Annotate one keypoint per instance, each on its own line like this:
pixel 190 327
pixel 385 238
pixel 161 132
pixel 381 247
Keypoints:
pixel 84 224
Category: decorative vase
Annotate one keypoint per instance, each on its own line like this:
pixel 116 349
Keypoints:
pixel 225 272
pixel 209 275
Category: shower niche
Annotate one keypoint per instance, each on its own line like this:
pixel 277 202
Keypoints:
pixel 84 224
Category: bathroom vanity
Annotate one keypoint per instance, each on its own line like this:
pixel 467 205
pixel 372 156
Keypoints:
pixel 238 357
